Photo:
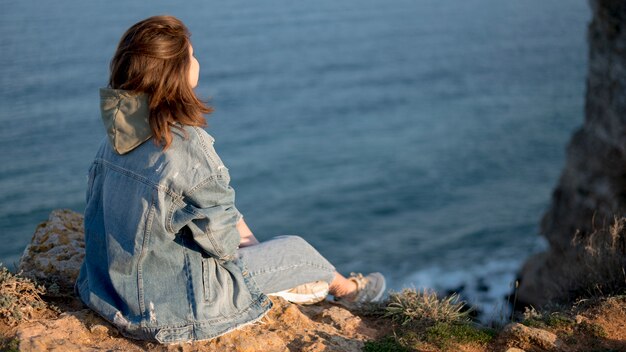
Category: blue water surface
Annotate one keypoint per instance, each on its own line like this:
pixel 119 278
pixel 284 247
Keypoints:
pixel 420 138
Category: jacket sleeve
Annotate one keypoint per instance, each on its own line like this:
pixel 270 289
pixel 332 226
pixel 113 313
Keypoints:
pixel 211 216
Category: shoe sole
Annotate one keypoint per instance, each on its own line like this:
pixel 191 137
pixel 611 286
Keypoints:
pixel 301 298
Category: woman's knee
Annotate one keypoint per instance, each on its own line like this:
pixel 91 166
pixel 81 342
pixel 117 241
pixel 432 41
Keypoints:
pixel 297 244
pixel 304 251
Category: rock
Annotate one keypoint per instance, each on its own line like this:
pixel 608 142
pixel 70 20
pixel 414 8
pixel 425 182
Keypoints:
pixel 99 329
pixel 531 339
pixel 249 340
pixel 541 279
pixel 68 333
pixel 56 250
pixel 592 187
pixel 287 327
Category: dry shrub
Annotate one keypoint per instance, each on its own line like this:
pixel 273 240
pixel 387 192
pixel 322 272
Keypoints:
pixel 410 305
pixel 20 298
pixel 602 262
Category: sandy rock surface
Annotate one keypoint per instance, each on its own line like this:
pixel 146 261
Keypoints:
pixel 286 328
pixel 55 255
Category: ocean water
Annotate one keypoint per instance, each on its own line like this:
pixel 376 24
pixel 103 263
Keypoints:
pixel 419 138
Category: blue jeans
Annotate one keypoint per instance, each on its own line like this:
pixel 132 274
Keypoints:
pixel 285 262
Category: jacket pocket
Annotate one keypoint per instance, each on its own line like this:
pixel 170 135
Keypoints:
pixel 208 267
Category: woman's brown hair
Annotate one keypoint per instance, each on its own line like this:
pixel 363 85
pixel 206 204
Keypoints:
pixel 153 57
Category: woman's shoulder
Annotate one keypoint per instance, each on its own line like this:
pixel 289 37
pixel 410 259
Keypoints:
pixel 198 135
pixel 196 145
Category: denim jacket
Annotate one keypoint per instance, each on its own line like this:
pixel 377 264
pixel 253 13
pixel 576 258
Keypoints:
pixel 160 237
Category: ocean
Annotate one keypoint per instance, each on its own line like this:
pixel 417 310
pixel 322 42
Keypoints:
pixel 418 138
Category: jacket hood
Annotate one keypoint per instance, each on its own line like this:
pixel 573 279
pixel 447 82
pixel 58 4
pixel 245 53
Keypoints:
pixel 125 117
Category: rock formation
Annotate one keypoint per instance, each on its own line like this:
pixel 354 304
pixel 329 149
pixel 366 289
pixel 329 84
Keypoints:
pixel 591 192
pixel 56 250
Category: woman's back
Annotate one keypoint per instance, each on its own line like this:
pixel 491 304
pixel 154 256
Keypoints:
pixel 146 269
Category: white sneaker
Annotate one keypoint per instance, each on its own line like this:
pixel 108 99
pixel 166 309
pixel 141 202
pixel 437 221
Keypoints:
pixel 309 293
pixel 370 288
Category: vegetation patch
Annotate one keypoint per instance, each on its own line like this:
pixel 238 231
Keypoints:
pixel 423 321
pixel 9 345
pixel 591 329
pixel 602 268
pixel 20 298
pixel 443 334
pixel 387 344
pixel 555 320
pixel 424 307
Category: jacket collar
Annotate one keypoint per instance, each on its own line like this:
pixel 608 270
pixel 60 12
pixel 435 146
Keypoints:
pixel 125 117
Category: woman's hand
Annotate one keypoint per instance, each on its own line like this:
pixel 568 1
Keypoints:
pixel 247 238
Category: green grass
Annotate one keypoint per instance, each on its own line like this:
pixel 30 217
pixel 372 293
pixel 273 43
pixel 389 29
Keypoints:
pixel 443 334
pixel 387 344
pixel 591 329
pixel 10 345
pixel 558 320
pixel 553 320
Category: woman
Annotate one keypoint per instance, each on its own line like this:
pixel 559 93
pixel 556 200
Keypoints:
pixel 168 255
